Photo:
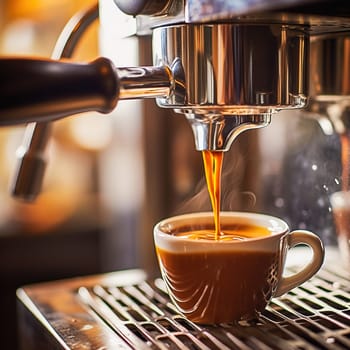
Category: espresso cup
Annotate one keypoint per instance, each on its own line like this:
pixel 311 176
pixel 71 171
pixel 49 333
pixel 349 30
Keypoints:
pixel 340 202
pixel 234 277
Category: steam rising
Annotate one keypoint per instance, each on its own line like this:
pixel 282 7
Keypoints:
pixel 238 183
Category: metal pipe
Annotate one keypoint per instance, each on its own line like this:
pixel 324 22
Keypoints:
pixel 144 82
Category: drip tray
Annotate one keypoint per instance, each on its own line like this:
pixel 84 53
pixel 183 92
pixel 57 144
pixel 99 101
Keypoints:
pixel 125 311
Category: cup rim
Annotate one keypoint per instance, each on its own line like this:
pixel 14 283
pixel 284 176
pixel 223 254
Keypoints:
pixel 278 226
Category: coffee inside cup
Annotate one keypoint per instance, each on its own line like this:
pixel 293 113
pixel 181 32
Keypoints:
pixel 237 232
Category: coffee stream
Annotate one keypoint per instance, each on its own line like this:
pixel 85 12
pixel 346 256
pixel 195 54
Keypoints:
pixel 212 167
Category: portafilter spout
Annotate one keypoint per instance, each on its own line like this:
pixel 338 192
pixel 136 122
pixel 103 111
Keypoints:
pixel 216 132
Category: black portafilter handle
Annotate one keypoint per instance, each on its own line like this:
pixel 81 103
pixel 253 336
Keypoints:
pixel 37 90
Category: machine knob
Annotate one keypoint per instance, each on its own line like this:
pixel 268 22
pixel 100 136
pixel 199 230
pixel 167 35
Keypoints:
pixel 142 7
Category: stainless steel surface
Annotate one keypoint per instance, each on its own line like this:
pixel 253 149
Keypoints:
pixel 216 132
pixel 235 69
pixel 239 70
pixel 70 325
pixel 30 171
pixel 112 312
pixel 144 82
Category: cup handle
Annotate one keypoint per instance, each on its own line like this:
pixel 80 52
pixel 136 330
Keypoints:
pixel 316 245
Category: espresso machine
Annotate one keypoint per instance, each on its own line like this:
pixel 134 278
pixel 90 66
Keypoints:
pixel 227 67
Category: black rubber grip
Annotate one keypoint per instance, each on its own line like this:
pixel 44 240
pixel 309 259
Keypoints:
pixel 36 90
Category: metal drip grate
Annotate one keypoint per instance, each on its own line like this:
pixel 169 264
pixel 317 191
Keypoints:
pixel 315 315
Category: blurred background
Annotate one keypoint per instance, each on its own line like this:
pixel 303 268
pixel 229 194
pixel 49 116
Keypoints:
pixel 110 178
